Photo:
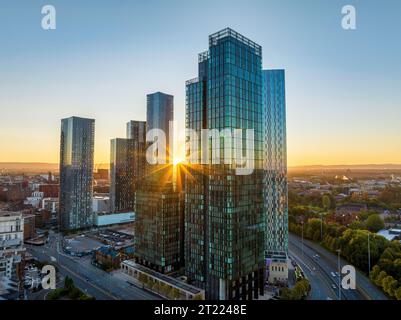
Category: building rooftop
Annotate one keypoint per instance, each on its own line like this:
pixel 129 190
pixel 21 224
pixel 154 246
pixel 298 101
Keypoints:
pixel 228 32
pixel 10 214
pixel 391 234
pixel 167 279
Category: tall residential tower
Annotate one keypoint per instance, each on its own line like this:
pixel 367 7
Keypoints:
pixel 76 173
pixel 225 224
pixel 276 197
pixel 127 166
pixel 122 182
pixel 159 114
pixel 275 175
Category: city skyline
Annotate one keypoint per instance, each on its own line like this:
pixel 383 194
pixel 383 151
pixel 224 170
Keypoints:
pixel 259 164
pixel 60 74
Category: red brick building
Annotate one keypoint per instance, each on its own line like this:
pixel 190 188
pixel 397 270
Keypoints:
pixel 49 190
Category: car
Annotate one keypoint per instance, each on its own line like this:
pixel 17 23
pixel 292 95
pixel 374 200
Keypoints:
pixel 334 286
pixel 333 274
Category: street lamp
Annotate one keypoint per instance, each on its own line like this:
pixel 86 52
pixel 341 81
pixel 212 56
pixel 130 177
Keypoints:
pixel 321 226
pixel 339 274
pixel 302 242
pixel 369 253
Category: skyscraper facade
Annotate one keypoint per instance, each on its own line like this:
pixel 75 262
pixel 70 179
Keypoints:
pixel 159 113
pixel 76 173
pixel 159 211
pixel 159 223
pixel 136 130
pixel 276 193
pixel 122 182
pixel 224 212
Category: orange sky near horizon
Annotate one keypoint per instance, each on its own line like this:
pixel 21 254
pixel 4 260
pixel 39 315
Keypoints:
pixel 358 150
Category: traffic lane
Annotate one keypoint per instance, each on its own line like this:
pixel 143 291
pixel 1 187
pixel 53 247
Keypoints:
pixel 321 288
pixel 364 285
pixel 327 270
pixel 115 288
pixel 78 281
pixel 113 282
pixel 362 282
pixel 327 267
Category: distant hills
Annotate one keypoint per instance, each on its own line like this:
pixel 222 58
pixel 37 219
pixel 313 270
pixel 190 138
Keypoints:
pixel 389 166
pixel 344 168
pixel 34 167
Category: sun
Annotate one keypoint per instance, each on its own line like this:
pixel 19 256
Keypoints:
pixel 178 160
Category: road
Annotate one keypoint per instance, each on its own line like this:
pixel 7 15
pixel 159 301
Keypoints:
pixel 90 279
pixel 321 284
pixel 319 270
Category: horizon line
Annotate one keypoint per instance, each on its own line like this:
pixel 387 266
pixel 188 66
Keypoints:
pixel 292 166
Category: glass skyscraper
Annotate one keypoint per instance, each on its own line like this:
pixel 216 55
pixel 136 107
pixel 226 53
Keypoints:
pixel 76 173
pixel 159 113
pixel 159 219
pixel 159 223
pixel 136 130
pixel 276 194
pixel 224 212
pixel 122 181
pixel 127 166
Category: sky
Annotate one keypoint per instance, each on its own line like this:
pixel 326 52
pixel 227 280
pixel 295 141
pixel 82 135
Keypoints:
pixel 342 86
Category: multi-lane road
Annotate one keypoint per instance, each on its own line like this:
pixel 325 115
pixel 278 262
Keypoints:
pixel 321 268
pixel 93 281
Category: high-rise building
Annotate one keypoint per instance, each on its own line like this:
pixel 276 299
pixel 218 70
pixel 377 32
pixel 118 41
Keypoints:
pixel 275 176
pixel 224 216
pixel 122 183
pixel 159 221
pixel 159 218
pixel 76 173
pixel 160 111
pixel 136 130
pixel 276 197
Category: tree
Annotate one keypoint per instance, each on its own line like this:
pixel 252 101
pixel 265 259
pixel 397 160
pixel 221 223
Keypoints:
pixel 143 278
pixel 357 225
pixel 379 280
pixel 326 202
pixel 68 283
pixel 374 273
pixel 398 294
pixel 312 227
pixel 374 223
pixel 298 292
pixel 74 293
pixel 175 293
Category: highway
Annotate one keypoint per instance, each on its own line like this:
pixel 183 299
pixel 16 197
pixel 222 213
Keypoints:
pixel 319 272
pixel 90 279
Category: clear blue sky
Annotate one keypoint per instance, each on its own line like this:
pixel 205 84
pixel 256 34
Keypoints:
pixel 343 87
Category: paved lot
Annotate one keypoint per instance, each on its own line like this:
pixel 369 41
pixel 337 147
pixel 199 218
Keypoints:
pixel 90 279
